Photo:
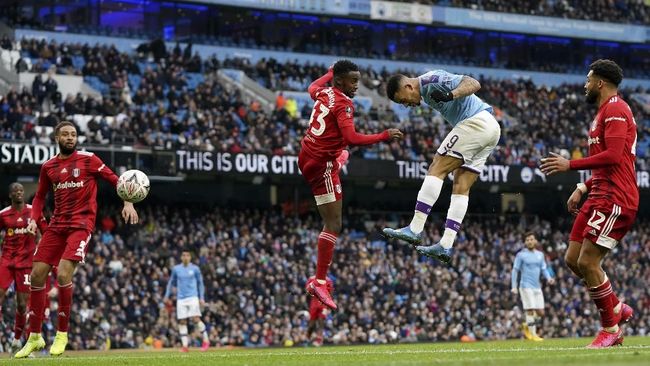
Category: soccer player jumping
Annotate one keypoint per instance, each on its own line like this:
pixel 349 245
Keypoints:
pixel 17 250
pixel 72 175
pixel 609 212
pixel 464 151
pixel 330 131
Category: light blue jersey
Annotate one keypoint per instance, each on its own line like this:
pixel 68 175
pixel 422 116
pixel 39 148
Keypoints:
pixel 187 280
pixel 456 110
pixel 531 263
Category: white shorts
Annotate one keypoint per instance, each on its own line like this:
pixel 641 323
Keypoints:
pixel 532 298
pixel 472 140
pixel 188 308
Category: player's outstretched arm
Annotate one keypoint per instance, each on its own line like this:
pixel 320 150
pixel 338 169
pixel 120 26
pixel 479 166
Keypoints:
pixel 513 276
pixel 352 137
pixel 320 83
pixel 201 286
pixel 39 201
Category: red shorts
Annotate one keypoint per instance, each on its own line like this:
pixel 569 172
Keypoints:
pixel 323 178
pixel 317 310
pixel 20 276
pixel 602 222
pixel 57 244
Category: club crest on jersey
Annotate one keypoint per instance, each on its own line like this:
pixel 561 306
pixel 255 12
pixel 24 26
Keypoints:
pixel 348 111
pixel 76 172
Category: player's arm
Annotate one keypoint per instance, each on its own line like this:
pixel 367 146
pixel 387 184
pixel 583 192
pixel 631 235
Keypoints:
pixel 38 203
pixel 171 283
pixel 515 271
pixel 321 82
pixel 615 136
pixel 129 214
pixel 547 272
pixel 345 121
pixel 452 86
pixel 201 286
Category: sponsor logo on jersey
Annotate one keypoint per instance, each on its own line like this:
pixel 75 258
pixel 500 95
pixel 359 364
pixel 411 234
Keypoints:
pixel 64 170
pixel 595 140
pixel 20 219
pixel 76 172
pixel 67 185
pixel 17 231
pixel 593 232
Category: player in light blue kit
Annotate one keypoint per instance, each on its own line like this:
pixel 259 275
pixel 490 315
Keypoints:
pixel 464 151
pixel 187 279
pixel 531 263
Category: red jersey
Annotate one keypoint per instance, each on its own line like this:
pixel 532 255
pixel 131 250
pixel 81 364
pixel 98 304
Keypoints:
pixel 18 245
pixel 331 125
pixel 74 182
pixel 615 183
pixel 332 112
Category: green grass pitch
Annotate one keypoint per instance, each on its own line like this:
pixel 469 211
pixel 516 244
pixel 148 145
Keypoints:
pixel 636 351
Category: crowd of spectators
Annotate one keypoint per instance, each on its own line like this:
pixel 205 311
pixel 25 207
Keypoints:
pixel 157 99
pixel 255 264
pixel 614 11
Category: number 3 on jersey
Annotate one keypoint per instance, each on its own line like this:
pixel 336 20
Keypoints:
pixel 322 112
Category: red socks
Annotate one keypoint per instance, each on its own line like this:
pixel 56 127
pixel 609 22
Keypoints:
pixel 65 302
pixel 36 308
pixel 19 325
pixel 603 297
pixel 326 244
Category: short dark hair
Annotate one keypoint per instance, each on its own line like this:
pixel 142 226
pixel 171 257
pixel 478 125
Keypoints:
pixel 529 233
pixel 393 85
pixel 608 70
pixel 60 125
pixel 12 185
pixel 342 67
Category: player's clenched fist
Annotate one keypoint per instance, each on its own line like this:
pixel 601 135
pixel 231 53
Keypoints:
pixel 395 134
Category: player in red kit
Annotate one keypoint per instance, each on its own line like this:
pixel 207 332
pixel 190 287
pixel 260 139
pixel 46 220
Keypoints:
pixel 17 250
pixel 609 212
pixel 331 130
pixel 72 175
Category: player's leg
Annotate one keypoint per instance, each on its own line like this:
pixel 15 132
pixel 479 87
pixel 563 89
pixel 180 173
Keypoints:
pixel 463 180
pixel 37 296
pixel 571 257
pixel 183 332
pixel 530 323
pixel 200 325
pixel 77 242
pixel 21 279
pixel 6 278
pixel 331 213
pixel 429 192
pixel 319 326
pixel 323 178
pixel 539 315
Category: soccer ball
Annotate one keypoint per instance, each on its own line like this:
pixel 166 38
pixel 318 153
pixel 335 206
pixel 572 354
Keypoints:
pixel 133 186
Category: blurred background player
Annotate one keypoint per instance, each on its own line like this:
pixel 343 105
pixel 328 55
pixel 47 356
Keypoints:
pixel 317 315
pixel 609 212
pixel 18 247
pixel 331 130
pixel 464 151
pixel 72 175
pixel 531 263
pixel 190 298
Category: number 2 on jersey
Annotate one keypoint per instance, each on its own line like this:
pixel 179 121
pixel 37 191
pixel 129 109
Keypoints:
pixel 322 112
